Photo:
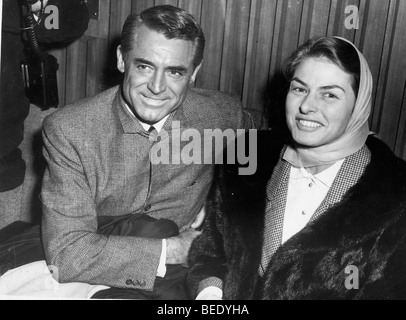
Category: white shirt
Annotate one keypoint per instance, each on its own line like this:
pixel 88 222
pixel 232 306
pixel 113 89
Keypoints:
pixel 305 194
pixel 158 126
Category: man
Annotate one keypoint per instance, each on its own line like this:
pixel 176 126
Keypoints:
pixel 101 191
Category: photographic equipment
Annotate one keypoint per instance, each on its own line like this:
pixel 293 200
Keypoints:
pixel 39 68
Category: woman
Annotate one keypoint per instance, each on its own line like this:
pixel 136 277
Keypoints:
pixel 324 217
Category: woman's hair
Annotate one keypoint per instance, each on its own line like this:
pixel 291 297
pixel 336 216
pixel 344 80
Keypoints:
pixel 172 22
pixel 338 51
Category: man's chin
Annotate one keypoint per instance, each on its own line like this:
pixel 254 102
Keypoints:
pixel 150 118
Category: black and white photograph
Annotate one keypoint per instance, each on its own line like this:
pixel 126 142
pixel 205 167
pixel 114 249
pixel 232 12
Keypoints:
pixel 202 153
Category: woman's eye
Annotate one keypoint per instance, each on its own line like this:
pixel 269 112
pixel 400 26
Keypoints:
pixel 298 89
pixel 330 96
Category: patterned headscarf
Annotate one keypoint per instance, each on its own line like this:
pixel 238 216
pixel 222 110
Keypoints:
pixel 354 136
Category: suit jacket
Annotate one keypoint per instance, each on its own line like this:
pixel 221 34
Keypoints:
pixel 99 165
pixel 361 227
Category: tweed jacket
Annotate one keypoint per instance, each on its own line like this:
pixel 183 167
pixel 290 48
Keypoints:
pixel 362 228
pixel 99 165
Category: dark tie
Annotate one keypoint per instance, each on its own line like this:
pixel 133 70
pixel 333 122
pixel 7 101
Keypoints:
pixel 152 133
pixel 152 130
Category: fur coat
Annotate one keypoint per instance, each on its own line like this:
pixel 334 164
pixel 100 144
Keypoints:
pixel 366 230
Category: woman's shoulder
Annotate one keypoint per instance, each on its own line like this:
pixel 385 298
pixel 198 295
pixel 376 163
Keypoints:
pixel 382 155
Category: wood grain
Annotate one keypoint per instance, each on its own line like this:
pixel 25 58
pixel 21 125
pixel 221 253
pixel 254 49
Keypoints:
pixel 246 43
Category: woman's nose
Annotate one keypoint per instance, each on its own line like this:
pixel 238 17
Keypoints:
pixel 309 104
pixel 157 83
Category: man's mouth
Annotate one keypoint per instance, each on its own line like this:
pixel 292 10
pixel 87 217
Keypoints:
pixel 154 101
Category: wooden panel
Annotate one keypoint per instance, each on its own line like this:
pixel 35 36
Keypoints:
pixel 246 42
pixel 396 80
pixel 314 19
pixel 60 55
pixel 171 2
pixel 259 50
pixel 194 7
pixel 100 28
pixel 119 11
pixel 235 44
pixel 140 5
pixel 372 39
pixel 95 66
pixel 379 103
pixel 287 27
pixel 336 26
pixel 212 21
pixel 76 71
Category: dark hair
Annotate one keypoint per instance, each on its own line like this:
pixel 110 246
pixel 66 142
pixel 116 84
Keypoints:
pixel 172 22
pixel 338 51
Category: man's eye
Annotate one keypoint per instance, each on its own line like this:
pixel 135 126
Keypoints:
pixel 143 67
pixel 176 73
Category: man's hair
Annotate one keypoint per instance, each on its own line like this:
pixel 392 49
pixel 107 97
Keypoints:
pixel 172 22
pixel 338 51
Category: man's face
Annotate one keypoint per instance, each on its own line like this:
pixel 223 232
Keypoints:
pixel 157 73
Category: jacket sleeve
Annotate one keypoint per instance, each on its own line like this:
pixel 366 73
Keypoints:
pixel 69 223
pixel 207 258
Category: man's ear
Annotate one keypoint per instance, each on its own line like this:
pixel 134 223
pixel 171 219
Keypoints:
pixel 194 74
pixel 120 60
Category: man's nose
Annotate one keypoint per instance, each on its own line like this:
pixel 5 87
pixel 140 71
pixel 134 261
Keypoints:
pixel 157 83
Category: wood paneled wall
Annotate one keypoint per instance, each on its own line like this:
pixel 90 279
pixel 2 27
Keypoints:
pixel 247 40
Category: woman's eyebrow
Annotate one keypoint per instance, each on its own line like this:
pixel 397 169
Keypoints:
pixel 333 87
pixel 329 87
pixel 300 81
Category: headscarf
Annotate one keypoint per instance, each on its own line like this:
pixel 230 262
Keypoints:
pixel 354 136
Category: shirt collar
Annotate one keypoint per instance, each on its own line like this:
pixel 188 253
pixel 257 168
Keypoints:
pixel 158 126
pixel 326 177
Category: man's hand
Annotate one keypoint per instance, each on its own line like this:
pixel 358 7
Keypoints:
pixel 199 219
pixel 177 248
pixel 36 7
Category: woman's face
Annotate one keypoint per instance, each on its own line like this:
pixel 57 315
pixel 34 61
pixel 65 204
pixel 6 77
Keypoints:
pixel 319 103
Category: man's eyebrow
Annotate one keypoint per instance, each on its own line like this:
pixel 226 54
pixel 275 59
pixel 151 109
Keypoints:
pixel 334 86
pixel 143 61
pixel 173 68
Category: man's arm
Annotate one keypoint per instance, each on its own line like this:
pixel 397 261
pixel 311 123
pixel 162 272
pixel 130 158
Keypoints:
pixel 69 225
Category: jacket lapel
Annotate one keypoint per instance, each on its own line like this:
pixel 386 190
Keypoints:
pixel 348 175
pixel 277 190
